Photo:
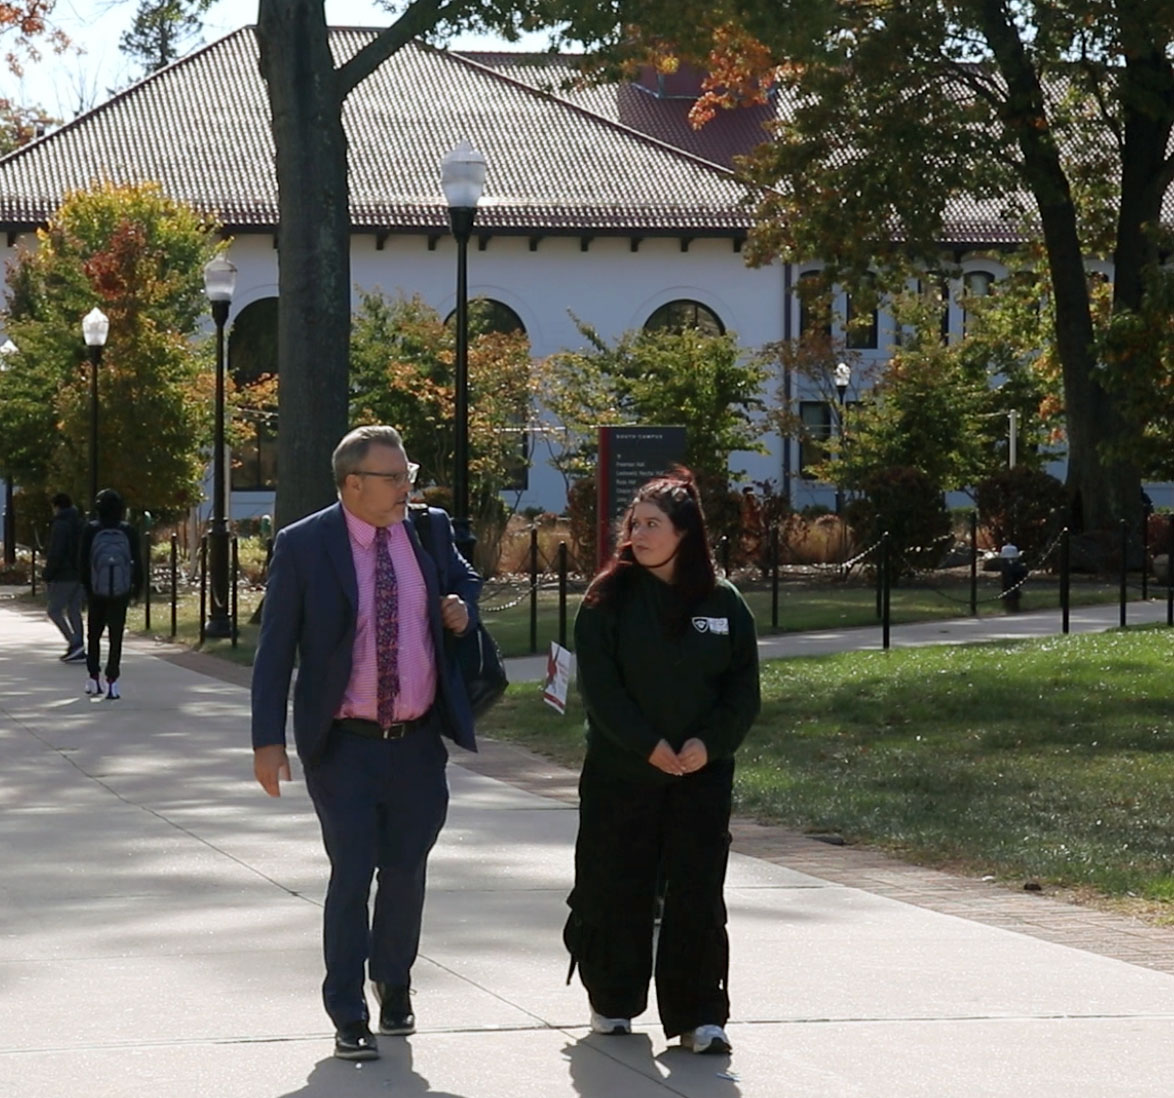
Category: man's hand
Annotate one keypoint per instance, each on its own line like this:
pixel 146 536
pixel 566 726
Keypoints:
pixel 693 755
pixel 665 758
pixel 270 767
pixel 454 613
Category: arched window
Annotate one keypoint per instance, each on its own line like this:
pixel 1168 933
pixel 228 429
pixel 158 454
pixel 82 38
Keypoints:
pixel 975 284
pixel 252 358
pixel 676 316
pixel 487 316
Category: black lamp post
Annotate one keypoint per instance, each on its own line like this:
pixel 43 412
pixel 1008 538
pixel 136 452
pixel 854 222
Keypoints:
pixel 219 283
pixel 843 378
pixel 8 348
pixel 463 181
pixel 95 329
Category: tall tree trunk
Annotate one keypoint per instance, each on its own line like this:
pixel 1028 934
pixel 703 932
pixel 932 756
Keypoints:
pixel 1104 488
pixel 306 94
pixel 313 320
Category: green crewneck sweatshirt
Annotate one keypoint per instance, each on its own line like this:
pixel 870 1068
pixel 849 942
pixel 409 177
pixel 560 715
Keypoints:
pixel 641 684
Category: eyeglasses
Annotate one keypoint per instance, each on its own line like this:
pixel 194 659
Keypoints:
pixel 406 477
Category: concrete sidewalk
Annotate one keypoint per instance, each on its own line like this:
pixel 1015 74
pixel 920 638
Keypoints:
pixel 160 929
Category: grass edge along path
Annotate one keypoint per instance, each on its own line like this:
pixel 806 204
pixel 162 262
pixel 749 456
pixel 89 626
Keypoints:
pixel 1048 761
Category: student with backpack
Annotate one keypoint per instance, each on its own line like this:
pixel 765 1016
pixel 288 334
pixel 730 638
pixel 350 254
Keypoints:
pixel 112 574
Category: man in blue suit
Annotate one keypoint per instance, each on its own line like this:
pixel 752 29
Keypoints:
pixel 365 611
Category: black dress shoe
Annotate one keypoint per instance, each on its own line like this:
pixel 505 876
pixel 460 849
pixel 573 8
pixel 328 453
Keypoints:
pixel 354 1042
pixel 395 1009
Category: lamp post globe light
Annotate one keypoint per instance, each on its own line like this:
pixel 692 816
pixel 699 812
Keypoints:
pixel 95 329
pixel 7 349
pixel 462 179
pixel 219 284
pixel 843 378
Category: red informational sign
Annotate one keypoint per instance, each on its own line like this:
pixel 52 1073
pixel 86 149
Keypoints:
pixel 629 456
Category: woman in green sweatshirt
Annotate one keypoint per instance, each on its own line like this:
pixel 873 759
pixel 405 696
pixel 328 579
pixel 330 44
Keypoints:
pixel 668 668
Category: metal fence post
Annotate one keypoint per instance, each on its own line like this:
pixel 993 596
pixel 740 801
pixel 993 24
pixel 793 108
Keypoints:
pixel 1170 573
pixel 974 564
pixel 235 577
pixel 1145 556
pixel 174 581
pixel 774 578
pixel 147 579
pixel 533 589
pixel 562 594
pixel 203 584
pixel 1065 575
pixel 1124 568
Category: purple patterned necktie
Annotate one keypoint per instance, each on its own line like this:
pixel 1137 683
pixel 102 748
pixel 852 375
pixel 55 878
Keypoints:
pixel 386 629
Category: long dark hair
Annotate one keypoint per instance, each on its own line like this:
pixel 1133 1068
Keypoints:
pixel 694 576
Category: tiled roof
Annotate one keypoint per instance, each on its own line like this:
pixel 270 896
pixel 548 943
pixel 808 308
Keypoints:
pixel 200 128
pixel 582 159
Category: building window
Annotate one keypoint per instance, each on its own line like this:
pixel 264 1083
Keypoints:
pixel 860 329
pixel 252 358
pixel 975 284
pixel 676 316
pixel 489 317
pixel 814 315
pixel 816 417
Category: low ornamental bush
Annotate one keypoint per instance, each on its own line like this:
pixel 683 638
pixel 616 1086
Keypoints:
pixel 906 503
pixel 1022 506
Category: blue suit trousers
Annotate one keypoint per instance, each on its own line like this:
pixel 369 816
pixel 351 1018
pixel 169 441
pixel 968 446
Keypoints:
pixel 381 804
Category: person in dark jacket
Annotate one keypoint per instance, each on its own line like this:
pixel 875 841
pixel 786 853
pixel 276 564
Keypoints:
pixel 668 669
pixel 112 574
pixel 363 609
pixel 63 578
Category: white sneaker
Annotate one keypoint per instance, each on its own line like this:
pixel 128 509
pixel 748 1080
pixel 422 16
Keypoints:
pixel 610 1027
pixel 711 1039
pixel 93 686
pixel 112 693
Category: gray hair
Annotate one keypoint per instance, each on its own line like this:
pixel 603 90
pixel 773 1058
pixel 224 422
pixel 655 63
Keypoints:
pixel 350 452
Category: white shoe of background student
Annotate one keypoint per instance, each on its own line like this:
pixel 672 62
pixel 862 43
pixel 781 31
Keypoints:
pixel 93 686
pixel 112 693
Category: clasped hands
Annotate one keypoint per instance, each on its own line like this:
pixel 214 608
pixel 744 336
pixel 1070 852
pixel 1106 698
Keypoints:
pixel 692 756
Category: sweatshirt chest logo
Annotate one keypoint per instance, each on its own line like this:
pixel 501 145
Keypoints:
pixel 711 625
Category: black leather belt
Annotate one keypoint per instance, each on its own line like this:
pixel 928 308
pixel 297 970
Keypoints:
pixel 372 730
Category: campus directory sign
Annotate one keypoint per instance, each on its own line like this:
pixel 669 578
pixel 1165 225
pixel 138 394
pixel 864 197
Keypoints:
pixel 628 456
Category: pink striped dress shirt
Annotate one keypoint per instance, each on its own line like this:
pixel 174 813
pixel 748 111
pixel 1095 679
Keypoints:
pixel 417 659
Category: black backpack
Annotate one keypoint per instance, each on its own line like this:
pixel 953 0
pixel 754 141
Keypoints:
pixel 111 563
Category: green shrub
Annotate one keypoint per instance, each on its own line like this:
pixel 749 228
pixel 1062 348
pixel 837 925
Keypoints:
pixel 1022 506
pixel 907 503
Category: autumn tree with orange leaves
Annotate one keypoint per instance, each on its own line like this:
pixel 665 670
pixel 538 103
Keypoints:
pixel 138 256
pixel 1055 118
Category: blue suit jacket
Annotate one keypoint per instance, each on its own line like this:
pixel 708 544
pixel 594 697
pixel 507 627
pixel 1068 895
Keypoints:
pixel 311 606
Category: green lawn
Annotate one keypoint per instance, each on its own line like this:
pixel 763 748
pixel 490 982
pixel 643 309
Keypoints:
pixel 1049 760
